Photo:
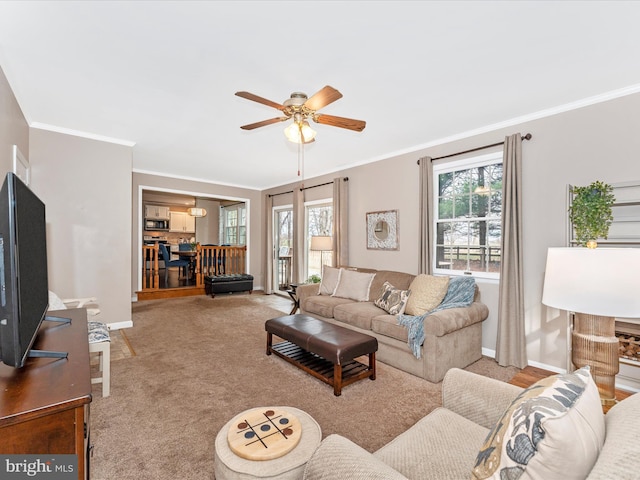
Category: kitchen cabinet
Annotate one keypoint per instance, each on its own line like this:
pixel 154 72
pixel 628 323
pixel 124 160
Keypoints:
pixel 156 212
pixel 182 222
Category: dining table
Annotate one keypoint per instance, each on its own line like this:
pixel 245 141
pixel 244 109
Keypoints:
pixel 190 256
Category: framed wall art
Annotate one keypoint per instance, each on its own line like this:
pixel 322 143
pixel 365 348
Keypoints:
pixel 382 230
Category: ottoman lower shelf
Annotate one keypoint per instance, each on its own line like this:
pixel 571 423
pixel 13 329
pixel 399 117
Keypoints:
pixel 335 375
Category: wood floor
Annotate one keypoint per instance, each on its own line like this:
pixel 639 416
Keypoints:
pixel 530 375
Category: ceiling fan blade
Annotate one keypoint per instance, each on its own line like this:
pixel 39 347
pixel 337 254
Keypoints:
pixel 348 123
pixel 264 123
pixel 256 98
pixel 322 98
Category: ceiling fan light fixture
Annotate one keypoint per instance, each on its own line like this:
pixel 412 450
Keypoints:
pixel 298 131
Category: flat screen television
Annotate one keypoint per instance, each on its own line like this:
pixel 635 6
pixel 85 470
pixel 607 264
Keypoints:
pixel 24 289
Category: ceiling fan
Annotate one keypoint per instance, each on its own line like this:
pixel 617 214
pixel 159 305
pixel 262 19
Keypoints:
pixel 301 108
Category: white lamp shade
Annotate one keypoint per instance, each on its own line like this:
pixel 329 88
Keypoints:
pixel 600 281
pixel 294 132
pixel 321 243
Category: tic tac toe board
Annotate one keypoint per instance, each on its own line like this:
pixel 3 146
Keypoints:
pixel 264 433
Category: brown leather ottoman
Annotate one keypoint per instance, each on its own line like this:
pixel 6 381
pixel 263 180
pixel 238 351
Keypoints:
pixel 322 349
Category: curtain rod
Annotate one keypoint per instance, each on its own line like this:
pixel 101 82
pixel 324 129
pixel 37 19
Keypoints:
pixel 281 193
pixel 346 179
pixel 528 136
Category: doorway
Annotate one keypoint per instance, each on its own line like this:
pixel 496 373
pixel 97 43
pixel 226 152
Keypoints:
pixel 283 247
pixel 209 230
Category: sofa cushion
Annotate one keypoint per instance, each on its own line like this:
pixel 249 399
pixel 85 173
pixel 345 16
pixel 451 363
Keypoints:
pixel 440 445
pixel 427 292
pixel 354 285
pixel 330 278
pixel 392 300
pixel 323 305
pixel 338 457
pixel 388 326
pixel 553 429
pixel 358 314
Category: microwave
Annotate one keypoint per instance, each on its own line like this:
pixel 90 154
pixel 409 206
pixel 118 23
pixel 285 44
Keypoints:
pixel 156 225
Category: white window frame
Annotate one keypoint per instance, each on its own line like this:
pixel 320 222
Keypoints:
pixel 307 238
pixel 465 164
pixel 224 227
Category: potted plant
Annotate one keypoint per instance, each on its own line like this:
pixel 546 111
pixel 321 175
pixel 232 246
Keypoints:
pixel 590 212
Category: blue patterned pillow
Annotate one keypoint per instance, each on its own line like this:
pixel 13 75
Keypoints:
pixel 98 332
pixel 553 429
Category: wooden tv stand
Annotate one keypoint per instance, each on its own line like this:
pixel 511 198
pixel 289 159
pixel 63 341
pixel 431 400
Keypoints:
pixel 44 406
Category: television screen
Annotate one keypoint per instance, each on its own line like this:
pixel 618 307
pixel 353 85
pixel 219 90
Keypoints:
pixel 23 269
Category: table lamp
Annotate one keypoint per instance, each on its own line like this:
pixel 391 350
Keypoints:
pixel 322 244
pixel 596 285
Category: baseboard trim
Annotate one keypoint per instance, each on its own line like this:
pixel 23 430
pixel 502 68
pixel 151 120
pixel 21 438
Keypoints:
pixel 119 325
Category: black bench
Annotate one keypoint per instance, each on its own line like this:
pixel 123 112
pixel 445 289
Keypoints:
pixel 240 282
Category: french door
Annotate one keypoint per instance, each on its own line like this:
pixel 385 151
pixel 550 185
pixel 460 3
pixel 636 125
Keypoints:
pixel 283 247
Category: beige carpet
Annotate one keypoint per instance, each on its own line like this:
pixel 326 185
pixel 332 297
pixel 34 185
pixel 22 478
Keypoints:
pixel 199 361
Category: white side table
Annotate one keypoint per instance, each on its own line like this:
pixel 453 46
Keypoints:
pixel 229 466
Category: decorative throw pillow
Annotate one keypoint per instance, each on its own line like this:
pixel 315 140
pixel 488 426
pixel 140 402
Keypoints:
pixel 427 292
pixel 98 332
pixel 393 300
pixel 354 285
pixel 553 429
pixel 330 278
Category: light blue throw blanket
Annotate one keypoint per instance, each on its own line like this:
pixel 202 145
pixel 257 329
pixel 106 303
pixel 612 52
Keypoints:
pixel 460 293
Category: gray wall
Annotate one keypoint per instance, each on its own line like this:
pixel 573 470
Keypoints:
pixel 596 142
pixel 86 187
pixel 14 129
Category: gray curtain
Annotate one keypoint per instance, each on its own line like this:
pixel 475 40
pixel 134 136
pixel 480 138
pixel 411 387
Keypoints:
pixel 340 254
pixel 511 343
pixel 426 216
pixel 297 257
pixel 268 254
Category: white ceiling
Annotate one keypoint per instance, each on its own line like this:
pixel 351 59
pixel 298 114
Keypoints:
pixel 162 75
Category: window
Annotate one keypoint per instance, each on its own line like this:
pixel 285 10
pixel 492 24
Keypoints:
pixel 234 224
pixel 468 216
pixel 319 222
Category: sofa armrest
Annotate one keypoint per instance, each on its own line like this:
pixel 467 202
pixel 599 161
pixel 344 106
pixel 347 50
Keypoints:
pixel 337 457
pixel 480 399
pixel 619 455
pixel 307 290
pixel 446 321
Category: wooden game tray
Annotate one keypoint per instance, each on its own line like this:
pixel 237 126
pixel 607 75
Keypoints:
pixel 264 433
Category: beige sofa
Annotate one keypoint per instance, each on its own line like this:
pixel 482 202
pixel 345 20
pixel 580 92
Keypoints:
pixel 444 444
pixel 453 337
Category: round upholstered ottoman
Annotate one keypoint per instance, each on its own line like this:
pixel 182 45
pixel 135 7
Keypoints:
pixel 290 466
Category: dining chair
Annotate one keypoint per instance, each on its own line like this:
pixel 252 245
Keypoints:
pixel 168 263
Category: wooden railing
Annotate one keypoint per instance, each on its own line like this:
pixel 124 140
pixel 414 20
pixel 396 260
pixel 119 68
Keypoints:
pixel 216 260
pixel 209 260
pixel 150 275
